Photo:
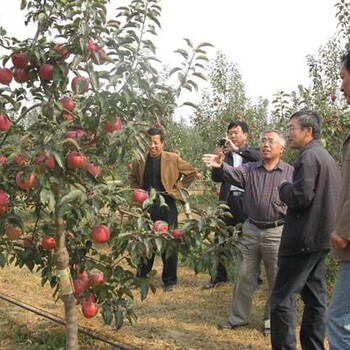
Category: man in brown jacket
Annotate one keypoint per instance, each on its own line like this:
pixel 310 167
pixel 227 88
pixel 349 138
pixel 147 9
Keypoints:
pixel 167 173
pixel 338 317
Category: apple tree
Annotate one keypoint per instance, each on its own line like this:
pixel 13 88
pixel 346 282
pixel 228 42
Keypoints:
pixel 75 100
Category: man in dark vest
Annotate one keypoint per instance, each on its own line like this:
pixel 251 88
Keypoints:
pixel 236 153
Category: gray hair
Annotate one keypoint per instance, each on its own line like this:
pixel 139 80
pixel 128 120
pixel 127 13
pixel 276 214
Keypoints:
pixel 309 118
pixel 281 140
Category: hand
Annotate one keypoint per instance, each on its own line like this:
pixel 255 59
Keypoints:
pixel 338 242
pixel 230 146
pixel 214 160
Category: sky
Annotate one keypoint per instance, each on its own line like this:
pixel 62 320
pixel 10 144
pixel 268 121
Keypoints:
pixel 267 39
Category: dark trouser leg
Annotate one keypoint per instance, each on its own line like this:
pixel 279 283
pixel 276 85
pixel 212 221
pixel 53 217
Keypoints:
pixel 236 209
pixel 170 215
pixel 314 296
pixel 146 267
pixel 169 275
pixel 296 275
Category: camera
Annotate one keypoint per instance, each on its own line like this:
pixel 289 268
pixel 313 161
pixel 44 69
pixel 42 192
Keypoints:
pixel 222 142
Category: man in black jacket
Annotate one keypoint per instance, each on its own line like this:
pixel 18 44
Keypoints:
pixel 312 200
pixel 236 153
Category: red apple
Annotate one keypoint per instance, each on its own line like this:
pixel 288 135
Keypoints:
pixel 75 134
pixel 5 123
pixel 27 241
pixel 76 160
pixel 177 233
pixel 160 226
pixel 94 170
pixel 80 286
pixel 83 276
pixel 48 161
pixel 89 309
pixel 98 56
pixel 95 279
pixel 67 103
pixel 48 243
pixel 4 198
pixel 6 76
pixel 198 175
pixel 25 182
pixel 92 46
pixel 112 126
pixel 100 234
pixel 62 51
pixel 20 60
pixel 46 72
pixel 21 75
pixel 19 159
pixel 68 116
pixel 12 232
pixel 129 166
pixel 3 160
pixel 90 299
pixel 80 85
pixel 139 196
pixel 4 208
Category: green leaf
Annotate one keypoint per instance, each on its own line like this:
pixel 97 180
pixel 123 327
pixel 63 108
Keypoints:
pixel 119 318
pixel 191 82
pixel 205 44
pixel 190 104
pixel 187 86
pixel 159 243
pixel 189 42
pixel 200 75
pixel 71 197
pixel 174 70
pixel 47 198
pixel 3 260
pixel 182 52
pixel 107 315
pixel 23 4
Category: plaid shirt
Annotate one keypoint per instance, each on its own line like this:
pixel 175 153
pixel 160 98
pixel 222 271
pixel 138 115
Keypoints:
pixel 261 200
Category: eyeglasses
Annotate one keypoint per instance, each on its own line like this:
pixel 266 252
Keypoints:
pixel 291 129
pixel 270 142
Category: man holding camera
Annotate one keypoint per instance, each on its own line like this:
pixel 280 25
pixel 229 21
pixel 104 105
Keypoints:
pixel 236 153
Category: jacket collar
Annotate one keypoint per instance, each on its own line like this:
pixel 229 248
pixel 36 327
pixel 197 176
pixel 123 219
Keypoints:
pixel 312 143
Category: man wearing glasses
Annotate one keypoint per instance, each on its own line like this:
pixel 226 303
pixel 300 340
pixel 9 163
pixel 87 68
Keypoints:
pixel 311 199
pixel 261 232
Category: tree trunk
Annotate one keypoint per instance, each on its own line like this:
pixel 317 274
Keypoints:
pixel 66 285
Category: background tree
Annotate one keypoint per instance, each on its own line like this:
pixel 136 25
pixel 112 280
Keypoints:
pixel 75 101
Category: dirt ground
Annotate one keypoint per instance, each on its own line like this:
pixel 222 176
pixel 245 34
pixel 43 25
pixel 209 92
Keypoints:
pixel 184 319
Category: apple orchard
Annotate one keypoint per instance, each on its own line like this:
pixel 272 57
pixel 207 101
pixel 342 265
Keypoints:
pixel 75 101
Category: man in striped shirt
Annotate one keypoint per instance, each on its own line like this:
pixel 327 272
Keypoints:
pixel 263 227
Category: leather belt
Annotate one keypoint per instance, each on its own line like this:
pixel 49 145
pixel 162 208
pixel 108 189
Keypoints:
pixel 265 225
pixel 236 193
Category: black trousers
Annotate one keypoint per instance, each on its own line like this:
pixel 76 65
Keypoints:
pixel 170 215
pixel 305 275
pixel 236 209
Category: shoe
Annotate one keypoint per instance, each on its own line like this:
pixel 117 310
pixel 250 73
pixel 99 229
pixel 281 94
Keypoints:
pixel 230 326
pixel 211 285
pixel 266 331
pixel 169 287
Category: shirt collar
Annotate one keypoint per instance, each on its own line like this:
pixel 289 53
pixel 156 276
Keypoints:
pixel 280 165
